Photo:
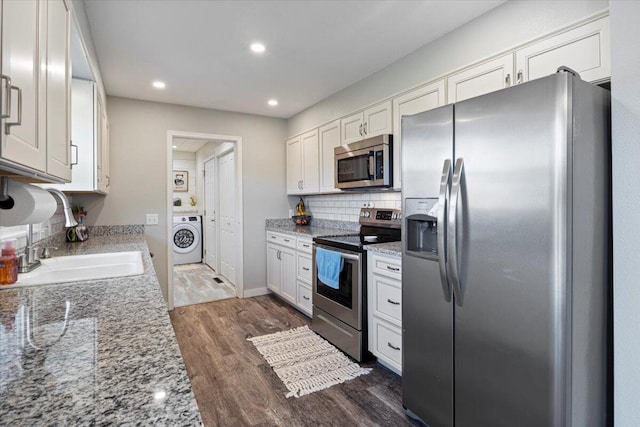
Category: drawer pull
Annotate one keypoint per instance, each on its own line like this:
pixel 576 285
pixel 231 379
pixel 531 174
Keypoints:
pixel 305 297
pixel 393 268
pixel 305 268
pixel 393 346
pixel 273 237
pixel 286 240
pixel 390 301
pixel 305 245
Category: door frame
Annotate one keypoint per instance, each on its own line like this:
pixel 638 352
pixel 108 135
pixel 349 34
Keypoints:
pixel 239 249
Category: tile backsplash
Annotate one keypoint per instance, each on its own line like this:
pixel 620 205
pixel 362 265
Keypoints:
pixel 346 206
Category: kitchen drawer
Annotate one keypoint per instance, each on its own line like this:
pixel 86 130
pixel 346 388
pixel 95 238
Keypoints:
pixel 387 343
pixel 387 299
pixel 304 267
pixel 303 300
pixel 304 245
pixel 387 266
pixel 281 239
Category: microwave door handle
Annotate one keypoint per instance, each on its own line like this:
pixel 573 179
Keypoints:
pixel 371 164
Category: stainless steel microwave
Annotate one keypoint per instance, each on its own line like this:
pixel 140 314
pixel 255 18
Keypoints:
pixel 366 163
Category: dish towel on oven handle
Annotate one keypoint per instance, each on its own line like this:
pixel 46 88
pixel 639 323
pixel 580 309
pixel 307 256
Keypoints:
pixel 329 265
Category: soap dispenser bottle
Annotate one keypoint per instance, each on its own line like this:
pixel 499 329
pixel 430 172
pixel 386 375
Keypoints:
pixel 8 263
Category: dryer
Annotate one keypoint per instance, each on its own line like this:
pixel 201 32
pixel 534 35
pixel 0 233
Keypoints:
pixel 187 239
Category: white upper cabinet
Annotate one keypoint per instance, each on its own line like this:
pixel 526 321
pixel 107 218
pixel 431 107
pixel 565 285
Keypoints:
pixel 303 175
pixel 21 144
pixel 480 79
pixel 585 49
pixel 36 89
pixel 90 155
pixel 310 162
pixel 58 89
pixel 418 100
pixel 371 122
pixel 294 165
pixel 329 138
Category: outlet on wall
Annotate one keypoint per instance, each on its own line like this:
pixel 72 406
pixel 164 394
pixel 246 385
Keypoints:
pixel 152 219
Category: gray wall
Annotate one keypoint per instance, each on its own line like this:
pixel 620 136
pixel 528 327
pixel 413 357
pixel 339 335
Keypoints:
pixel 625 35
pixel 500 29
pixel 138 137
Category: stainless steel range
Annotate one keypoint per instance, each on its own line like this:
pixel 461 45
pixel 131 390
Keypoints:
pixel 339 311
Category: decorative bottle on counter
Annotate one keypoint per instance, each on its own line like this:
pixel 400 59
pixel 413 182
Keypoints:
pixel 9 263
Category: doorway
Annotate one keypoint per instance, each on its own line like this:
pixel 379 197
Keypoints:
pixel 217 175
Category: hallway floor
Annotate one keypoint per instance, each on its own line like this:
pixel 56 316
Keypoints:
pixel 196 283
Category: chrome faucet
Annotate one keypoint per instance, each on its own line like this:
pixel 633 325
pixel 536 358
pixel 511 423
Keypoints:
pixel 28 261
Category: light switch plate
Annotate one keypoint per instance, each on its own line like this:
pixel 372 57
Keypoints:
pixel 152 219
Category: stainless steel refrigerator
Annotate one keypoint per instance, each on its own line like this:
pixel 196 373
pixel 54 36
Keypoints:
pixel 506 264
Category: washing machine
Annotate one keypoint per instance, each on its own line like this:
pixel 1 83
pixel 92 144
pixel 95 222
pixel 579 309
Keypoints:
pixel 187 239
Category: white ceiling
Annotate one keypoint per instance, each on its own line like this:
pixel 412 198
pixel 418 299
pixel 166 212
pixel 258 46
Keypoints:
pixel 189 145
pixel 314 48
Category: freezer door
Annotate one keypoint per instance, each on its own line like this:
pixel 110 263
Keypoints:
pixel 427 316
pixel 510 318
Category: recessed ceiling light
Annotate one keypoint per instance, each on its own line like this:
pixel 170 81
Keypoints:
pixel 257 47
pixel 175 146
pixel 273 102
pixel 159 85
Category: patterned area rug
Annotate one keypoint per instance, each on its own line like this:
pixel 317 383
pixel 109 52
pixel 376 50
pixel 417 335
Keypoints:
pixel 305 362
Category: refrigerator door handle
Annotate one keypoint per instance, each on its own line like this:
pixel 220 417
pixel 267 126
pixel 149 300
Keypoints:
pixel 443 202
pixel 454 275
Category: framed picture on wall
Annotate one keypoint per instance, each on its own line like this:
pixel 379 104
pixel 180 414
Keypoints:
pixel 180 181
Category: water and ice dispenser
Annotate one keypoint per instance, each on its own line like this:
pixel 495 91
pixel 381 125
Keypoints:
pixel 421 217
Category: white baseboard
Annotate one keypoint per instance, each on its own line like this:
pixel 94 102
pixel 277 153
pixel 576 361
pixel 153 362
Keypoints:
pixel 248 293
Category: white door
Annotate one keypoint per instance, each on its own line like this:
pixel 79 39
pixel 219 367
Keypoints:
pixel 210 241
pixel 226 175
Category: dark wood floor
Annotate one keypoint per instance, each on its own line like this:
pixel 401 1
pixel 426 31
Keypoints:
pixel 235 386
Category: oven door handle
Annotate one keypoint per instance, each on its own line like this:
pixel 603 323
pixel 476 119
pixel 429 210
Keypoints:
pixel 344 255
pixel 349 257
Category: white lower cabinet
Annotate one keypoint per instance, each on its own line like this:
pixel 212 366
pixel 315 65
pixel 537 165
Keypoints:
pixel 289 269
pixel 384 302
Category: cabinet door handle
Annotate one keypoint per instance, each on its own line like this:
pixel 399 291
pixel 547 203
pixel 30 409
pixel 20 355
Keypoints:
pixel 108 181
pixel 305 245
pixel 519 77
pixel 360 129
pixel 302 184
pixel 393 346
pixel 7 98
pixel 278 255
pixel 273 237
pixel 390 301
pixel 364 128
pixel 305 268
pixel 305 297
pixel 286 240
pixel 507 80
pixel 393 268
pixel 7 125
pixel 72 147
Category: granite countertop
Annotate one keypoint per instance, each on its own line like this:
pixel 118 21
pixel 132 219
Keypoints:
pixel 325 228
pixel 392 248
pixel 113 359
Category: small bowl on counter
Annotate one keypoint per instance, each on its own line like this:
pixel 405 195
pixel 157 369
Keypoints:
pixel 301 219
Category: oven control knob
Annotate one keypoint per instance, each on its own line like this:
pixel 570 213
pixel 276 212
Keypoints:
pixel 367 214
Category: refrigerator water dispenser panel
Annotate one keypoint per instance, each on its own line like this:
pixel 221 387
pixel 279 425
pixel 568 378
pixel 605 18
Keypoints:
pixel 422 225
